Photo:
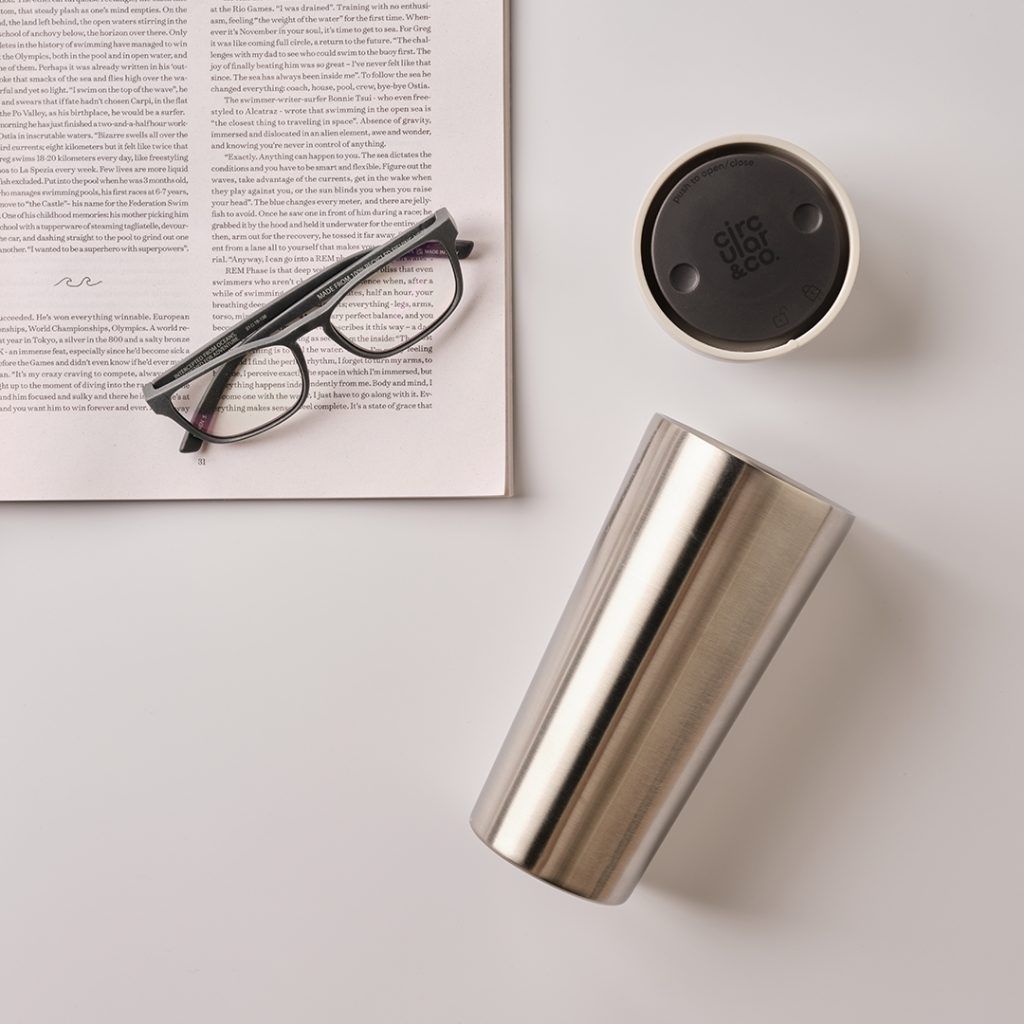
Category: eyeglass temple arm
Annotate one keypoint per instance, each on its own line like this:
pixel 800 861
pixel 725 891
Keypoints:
pixel 193 443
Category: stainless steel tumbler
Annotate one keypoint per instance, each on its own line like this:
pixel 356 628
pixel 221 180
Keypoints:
pixel 700 569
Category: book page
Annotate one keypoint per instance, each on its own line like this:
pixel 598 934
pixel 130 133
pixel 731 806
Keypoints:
pixel 166 168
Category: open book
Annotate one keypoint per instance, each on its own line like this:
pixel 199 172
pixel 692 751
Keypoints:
pixel 168 167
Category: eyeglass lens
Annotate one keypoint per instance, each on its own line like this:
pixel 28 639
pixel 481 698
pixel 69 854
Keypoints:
pixel 262 387
pixel 398 302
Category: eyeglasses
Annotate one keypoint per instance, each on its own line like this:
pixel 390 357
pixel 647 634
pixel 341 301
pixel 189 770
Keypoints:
pixel 374 304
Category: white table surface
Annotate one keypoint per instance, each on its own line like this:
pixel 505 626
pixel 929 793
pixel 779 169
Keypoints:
pixel 239 742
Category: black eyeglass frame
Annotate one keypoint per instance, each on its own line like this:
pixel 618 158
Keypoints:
pixel 288 318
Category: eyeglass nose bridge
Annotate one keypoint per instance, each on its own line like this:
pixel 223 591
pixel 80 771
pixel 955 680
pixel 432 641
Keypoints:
pixel 332 332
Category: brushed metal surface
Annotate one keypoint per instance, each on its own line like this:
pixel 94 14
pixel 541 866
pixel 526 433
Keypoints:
pixel 700 569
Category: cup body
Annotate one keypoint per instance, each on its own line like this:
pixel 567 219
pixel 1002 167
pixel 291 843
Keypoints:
pixel 701 567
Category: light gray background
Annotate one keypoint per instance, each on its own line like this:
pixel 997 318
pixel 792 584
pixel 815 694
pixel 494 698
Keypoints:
pixel 214 809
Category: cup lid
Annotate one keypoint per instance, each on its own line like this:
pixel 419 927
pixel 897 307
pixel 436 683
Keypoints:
pixel 746 246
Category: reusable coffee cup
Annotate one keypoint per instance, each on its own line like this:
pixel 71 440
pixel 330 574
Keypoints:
pixel 700 569
pixel 746 247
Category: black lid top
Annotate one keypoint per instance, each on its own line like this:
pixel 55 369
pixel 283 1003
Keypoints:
pixel 745 247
